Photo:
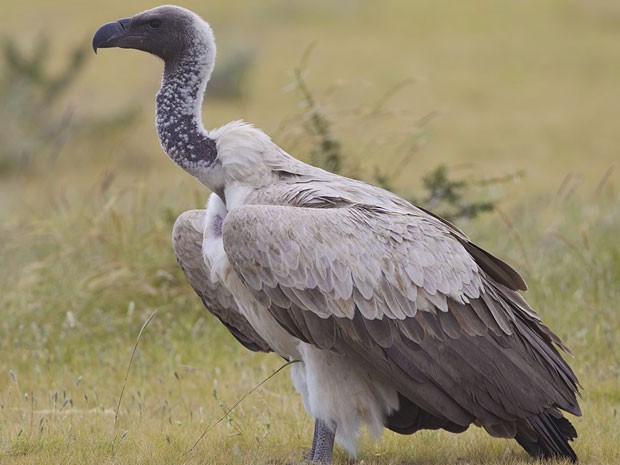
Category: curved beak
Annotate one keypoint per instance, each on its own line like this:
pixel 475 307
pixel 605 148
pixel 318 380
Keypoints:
pixel 111 34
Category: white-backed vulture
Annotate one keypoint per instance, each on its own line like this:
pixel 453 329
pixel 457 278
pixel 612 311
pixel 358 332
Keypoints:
pixel 399 321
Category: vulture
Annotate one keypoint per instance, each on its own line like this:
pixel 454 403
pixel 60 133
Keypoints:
pixel 397 319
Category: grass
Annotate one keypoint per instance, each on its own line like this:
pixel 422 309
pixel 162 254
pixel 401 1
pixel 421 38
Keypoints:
pixel 91 282
pixel 84 241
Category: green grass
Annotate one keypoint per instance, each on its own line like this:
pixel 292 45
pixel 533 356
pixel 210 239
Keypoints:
pixel 85 253
pixel 63 372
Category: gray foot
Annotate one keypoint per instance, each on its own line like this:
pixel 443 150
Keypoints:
pixel 322 443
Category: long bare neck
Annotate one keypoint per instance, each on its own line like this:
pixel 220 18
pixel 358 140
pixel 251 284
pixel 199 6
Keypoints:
pixel 179 113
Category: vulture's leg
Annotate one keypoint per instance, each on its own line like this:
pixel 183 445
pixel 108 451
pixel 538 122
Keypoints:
pixel 322 443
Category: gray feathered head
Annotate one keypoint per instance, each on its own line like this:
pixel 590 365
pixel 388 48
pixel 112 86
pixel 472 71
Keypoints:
pixel 167 31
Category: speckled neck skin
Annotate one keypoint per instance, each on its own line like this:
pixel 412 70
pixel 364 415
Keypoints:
pixel 179 106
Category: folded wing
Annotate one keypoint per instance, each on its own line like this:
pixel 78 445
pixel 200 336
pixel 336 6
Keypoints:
pixel 187 239
pixel 410 300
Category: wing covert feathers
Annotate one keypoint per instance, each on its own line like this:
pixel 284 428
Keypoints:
pixel 402 295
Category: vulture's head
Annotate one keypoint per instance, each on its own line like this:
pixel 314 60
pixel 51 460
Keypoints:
pixel 166 31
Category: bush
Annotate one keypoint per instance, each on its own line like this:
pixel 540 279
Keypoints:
pixel 36 124
pixel 452 198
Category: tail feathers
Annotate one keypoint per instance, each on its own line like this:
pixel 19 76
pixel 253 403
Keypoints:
pixel 553 433
pixel 410 418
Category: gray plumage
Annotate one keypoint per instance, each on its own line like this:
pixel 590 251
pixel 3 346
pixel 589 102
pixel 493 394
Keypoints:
pixel 400 321
pixel 187 237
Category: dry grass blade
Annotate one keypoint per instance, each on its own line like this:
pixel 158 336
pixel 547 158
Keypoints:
pixel 603 182
pixel 229 411
pixel 133 353
pixel 509 224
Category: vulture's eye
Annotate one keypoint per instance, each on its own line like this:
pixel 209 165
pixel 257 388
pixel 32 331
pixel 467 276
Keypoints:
pixel 154 24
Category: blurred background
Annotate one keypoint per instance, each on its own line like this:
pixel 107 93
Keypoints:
pixel 511 86
pixel 503 116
